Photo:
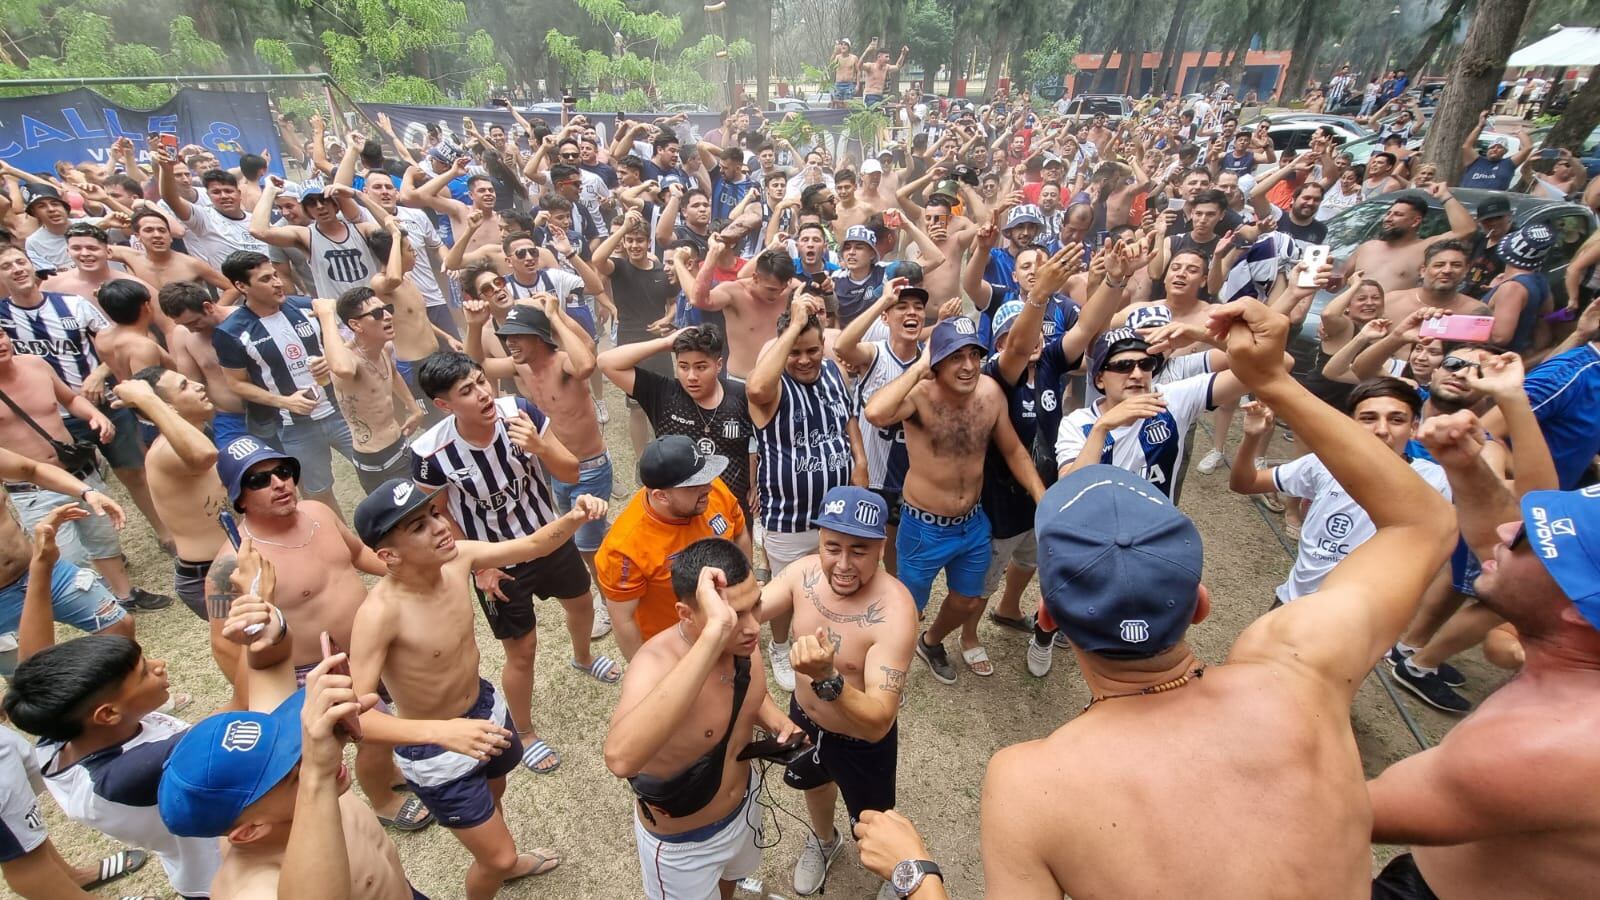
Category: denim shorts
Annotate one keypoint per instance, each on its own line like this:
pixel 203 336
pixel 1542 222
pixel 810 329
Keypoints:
pixel 594 479
pixel 81 542
pixel 77 596
pixel 961 549
pixel 312 442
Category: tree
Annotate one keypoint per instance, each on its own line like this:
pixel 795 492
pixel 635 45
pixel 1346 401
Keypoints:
pixel 1471 83
pixel 1051 59
pixel 637 72
pixel 91 47
pixel 1582 115
pixel 1435 36
pixel 930 33
pixel 1172 47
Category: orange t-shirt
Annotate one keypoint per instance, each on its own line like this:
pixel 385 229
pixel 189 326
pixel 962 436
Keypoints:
pixel 634 562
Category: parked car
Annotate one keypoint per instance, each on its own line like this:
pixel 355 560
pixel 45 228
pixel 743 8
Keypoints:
pixel 1590 155
pixel 1345 122
pixel 1361 150
pixel 1572 222
pixel 1114 107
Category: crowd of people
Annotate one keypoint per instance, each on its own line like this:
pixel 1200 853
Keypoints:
pixel 983 351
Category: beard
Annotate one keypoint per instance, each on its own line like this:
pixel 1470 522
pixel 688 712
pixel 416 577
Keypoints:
pixel 1391 232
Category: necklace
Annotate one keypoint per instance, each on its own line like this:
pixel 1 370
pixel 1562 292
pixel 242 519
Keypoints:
pixel 314 526
pixel 1161 688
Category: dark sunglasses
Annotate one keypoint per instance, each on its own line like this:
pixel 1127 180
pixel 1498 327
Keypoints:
pixel 1456 364
pixel 1126 366
pixel 382 312
pixel 526 253
pixel 1520 538
pixel 569 156
pixel 255 481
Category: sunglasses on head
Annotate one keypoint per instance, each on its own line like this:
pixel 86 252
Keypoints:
pixel 379 312
pixel 1456 364
pixel 284 470
pixel 1126 366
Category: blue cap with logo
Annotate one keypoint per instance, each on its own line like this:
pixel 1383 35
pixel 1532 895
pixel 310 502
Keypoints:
pixel 237 458
pixel 1005 317
pixel 1563 528
pixel 1119 565
pixel 860 234
pixel 1023 214
pixel 225 763
pixel 854 511
pixel 951 335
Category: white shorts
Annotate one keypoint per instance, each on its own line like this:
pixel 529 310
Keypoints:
pixel 783 549
pixel 1022 549
pixel 676 869
pixel 21 824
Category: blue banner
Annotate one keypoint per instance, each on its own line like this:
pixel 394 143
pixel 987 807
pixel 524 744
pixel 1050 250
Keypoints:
pixel 80 125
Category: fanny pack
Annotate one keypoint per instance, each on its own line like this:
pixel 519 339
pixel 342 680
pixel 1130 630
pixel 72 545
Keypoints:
pixel 78 457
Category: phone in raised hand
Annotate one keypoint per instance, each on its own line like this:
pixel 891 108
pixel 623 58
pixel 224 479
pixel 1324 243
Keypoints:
pixel 1457 328
pixel 350 725
pixel 1312 259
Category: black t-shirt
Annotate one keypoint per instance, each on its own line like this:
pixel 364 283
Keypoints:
pixel 1313 233
pixel 702 242
pixel 642 296
pixel 725 431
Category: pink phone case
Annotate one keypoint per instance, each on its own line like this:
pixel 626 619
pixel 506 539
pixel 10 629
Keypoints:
pixel 1458 328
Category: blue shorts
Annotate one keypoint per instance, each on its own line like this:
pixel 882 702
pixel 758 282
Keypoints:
pixel 454 786
pixel 82 541
pixel 312 442
pixel 1464 570
pixel 958 545
pixel 844 90
pixel 124 450
pixel 594 479
pixel 226 426
pixel 77 597
pixel 872 100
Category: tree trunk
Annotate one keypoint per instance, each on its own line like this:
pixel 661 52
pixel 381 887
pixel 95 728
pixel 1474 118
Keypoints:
pixel 1234 73
pixel 1436 35
pixel 997 59
pixel 1582 115
pixel 1302 53
pixel 1470 85
pixel 1170 52
pixel 1132 64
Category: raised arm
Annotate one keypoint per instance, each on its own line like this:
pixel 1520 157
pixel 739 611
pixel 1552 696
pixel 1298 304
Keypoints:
pixel 193 448
pixel 847 345
pixel 619 364
pixel 894 402
pixel 973 284
pixel 168 183
pixel 262 229
pixel 764 387
pixel 1469 144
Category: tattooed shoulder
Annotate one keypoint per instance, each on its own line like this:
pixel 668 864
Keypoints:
pixel 893 679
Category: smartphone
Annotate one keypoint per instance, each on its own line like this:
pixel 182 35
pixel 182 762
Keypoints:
pixel 500 101
pixel 569 101
pixel 891 218
pixel 1458 328
pixel 1549 153
pixel 1313 258
pixel 772 750
pixel 169 141
pixel 230 527
pixel 1175 204
pixel 351 724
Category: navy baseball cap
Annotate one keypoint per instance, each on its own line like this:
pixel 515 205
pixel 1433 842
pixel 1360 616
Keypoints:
pixel 225 763
pixel 674 461
pixel 1119 565
pixel 953 334
pixel 380 511
pixel 1563 528
pixel 1025 214
pixel 855 511
pixel 1112 342
pixel 1005 317
pixel 237 458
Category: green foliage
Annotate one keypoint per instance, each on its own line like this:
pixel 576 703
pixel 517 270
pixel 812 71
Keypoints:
pixel 90 47
pixel 930 33
pixel 276 54
pixel 1052 58
pixel 797 131
pixel 627 78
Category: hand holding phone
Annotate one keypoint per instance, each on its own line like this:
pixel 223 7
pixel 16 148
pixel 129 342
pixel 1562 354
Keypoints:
pixel 350 725
pixel 1312 259
pixel 1457 328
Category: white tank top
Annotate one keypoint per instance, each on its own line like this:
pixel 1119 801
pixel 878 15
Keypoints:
pixel 338 266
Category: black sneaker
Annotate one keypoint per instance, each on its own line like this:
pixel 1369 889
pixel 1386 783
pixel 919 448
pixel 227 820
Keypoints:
pixel 1449 674
pixel 1431 689
pixel 938 661
pixel 141 600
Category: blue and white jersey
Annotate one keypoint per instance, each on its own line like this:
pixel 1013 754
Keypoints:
pixel 856 296
pixel 804 450
pixel 1060 314
pixel 22 827
pixel 886 447
pixel 1153 447
pixel 497 492
pixel 60 331
pixel 113 791
pixel 275 352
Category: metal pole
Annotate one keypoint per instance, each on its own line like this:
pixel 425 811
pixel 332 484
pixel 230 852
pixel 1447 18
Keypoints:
pixel 163 79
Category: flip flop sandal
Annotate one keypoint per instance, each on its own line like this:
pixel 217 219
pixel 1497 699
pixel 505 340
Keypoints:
pixel 538 752
pixel 1270 502
pixel 123 862
pixel 176 703
pixel 978 661
pixel 413 816
pixel 604 669
pixel 1023 623
pixel 545 862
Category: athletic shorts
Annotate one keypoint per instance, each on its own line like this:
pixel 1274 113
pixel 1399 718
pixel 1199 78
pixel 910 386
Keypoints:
pixel 124 450
pixel 783 549
pixel 688 866
pixel 21 822
pixel 863 770
pixel 561 576
pixel 77 597
pixel 312 442
pixel 189 583
pixel 454 786
pixel 1401 880
pixel 892 498
pixel 872 100
pixel 1464 570
pixel 81 541
pixel 595 476
pixel 844 90
pixel 957 544
pixel 1021 549
pixel 226 427
pixel 373 469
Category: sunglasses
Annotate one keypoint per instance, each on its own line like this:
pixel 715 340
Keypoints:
pixel 526 253
pixel 497 281
pixel 1456 364
pixel 569 156
pixel 1520 538
pixel 379 313
pixel 284 471
pixel 1126 366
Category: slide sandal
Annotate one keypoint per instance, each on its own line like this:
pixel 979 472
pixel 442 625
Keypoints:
pixel 123 862
pixel 1021 623
pixel 413 816
pixel 604 669
pixel 539 752
pixel 978 661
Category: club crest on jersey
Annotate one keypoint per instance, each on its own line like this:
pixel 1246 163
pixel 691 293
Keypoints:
pixel 1157 432
pixel 719 524
pixel 1134 631
pixel 1047 401
pixel 241 737
pixel 242 447
pixel 303 329
pixel 70 323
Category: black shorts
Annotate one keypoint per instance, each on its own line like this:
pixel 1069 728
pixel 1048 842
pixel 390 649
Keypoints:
pixel 1400 880
pixel 893 499
pixel 864 771
pixel 189 583
pixel 561 575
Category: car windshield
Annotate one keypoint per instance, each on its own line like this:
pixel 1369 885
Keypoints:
pixel 1093 106
pixel 1360 223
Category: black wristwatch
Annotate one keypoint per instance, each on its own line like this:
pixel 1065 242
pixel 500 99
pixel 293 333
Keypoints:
pixel 908 874
pixel 828 689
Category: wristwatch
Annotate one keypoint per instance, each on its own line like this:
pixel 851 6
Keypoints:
pixel 908 874
pixel 828 689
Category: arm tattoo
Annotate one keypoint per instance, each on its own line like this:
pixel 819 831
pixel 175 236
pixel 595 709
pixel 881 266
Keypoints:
pixel 893 679
pixel 220 592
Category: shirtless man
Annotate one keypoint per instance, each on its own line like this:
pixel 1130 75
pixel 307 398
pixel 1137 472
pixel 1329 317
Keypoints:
pixel 855 626
pixel 871 193
pixel 846 68
pixel 451 733
pixel 751 304
pixel 951 411
pixel 434 196
pixel 687 685
pixel 415 334
pixel 1444 265
pixel 852 211
pixel 196 317
pixel 127 346
pixel 1506 805
pixel 369 385
pixel 1283 779
pixel 319 564
pixel 282 802
pixel 952 234
pixel 91 253
pixel 159 264
pixel 1394 257
pixel 876 72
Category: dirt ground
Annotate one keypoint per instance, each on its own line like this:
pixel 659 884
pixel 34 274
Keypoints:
pixel 947 734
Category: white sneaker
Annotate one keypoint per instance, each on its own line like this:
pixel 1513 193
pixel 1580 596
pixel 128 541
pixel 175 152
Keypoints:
pixel 1210 462
pixel 1040 658
pixel 782 671
pixel 812 867
pixel 601 414
pixel 602 620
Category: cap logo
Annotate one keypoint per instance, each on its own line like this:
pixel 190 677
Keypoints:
pixel 1545 531
pixel 1592 490
pixel 1134 631
pixel 402 492
pixel 241 736
pixel 243 447
pixel 964 326
pixel 1047 399
pixel 867 513
pixel 833 508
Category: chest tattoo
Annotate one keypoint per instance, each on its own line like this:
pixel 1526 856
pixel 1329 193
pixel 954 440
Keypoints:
pixel 872 615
